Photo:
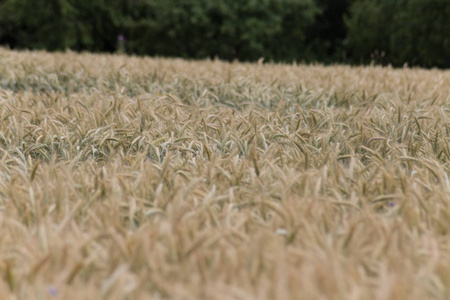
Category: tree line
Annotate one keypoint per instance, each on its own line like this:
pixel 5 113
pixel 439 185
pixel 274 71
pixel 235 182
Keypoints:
pixel 397 32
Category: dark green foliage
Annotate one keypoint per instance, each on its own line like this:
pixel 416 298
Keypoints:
pixel 228 29
pixel 97 24
pixel 326 36
pixel 290 43
pixel 37 24
pixel 369 29
pixel 414 32
pixel 423 34
pixel 60 24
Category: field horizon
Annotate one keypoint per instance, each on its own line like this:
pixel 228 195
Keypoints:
pixel 149 178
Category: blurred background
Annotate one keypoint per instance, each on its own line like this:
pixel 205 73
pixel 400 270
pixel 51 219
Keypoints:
pixel 396 32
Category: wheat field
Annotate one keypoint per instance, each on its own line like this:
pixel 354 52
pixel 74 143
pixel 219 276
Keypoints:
pixel 149 178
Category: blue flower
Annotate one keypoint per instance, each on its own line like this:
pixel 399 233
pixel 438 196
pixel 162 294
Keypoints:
pixel 52 291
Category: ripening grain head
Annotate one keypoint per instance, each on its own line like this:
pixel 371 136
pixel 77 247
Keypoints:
pixel 137 178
